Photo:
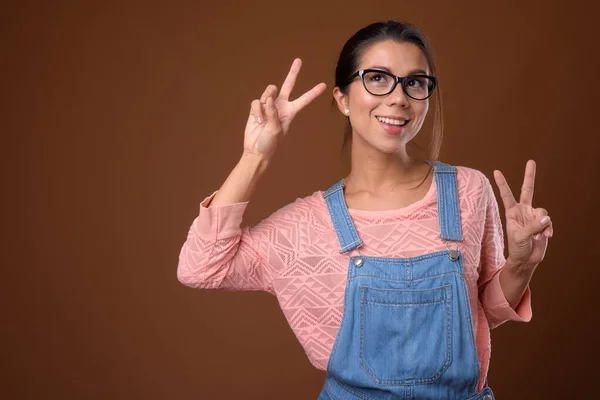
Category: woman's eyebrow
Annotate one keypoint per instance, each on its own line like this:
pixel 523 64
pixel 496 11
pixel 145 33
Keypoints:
pixel 412 72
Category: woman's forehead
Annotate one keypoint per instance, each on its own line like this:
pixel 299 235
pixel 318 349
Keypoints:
pixel 398 58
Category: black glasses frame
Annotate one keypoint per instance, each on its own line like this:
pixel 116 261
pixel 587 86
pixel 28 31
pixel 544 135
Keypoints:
pixel 397 79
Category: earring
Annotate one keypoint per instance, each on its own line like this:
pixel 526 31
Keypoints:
pixel 347 111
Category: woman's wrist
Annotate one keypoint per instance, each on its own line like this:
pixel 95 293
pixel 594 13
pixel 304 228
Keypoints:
pixel 256 163
pixel 514 280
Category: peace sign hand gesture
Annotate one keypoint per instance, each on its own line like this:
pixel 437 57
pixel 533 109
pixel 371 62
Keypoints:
pixel 271 115
pixel 527 228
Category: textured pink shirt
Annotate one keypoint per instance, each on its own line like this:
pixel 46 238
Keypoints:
pixel 294 255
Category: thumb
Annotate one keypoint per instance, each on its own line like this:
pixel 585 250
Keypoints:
pixel 536 226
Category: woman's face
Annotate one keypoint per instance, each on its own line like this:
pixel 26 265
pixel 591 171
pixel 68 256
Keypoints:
pixel 366 110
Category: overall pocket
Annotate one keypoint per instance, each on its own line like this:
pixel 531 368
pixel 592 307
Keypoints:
pixel 405 335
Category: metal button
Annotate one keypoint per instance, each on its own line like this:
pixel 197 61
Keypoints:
pixel 487 397
pixel 453 255
pixel 358 262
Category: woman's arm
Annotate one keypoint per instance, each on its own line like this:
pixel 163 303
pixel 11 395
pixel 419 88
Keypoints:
pixel 491 293
pixel 514 281
pixel 218 253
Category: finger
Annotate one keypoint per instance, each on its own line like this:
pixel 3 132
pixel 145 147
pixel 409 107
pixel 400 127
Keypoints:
pixel 538 251
pixel 528 183
pixel 536 227
pixel 309 96
pixel 290 79
pixel 505 193
pixel 270 91
pixel 256 111
pixel 271 111
pixel 549 231
pixel 539 213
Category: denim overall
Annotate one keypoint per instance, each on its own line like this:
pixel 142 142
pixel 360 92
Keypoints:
pixel 406 331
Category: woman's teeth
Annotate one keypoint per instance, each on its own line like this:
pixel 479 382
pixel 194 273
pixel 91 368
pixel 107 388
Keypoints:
pixel 392 121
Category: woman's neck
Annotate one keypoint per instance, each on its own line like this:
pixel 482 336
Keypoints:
pixel 376 172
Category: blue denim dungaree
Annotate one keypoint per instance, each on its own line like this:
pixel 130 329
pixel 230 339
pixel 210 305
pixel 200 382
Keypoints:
pixel 406 331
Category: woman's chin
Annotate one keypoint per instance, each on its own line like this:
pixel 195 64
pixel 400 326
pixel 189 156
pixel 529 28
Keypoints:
pixel 390 148
pixel 388 144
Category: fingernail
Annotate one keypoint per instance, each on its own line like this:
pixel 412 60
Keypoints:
pixel 548 234
pixel 259 119
pixel 537 236
pixel 545 220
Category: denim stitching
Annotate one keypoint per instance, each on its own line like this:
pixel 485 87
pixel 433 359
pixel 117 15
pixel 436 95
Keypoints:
pixel 331 191
pixel 365 290
pixel 408 393
pixel 407 283
pixel 485 391
pixel 331 207
pixel 440 204
pixel 349 224
pixel 390 304
pixel 345 229
pixel 449 338
pixel 407 260
pixel 351 246
pixel 336 341
pixel 353 392
pixel 334 397
pixel 413 381
pixel 467 306
pixel 335 207
pixel 340 223
pixel 448 210
pixel 457 234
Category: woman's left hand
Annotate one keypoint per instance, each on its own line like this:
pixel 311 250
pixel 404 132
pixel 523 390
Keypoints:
pixel 527 228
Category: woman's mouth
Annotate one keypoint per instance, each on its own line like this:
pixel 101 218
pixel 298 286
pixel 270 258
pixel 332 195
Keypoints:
pixel 393 126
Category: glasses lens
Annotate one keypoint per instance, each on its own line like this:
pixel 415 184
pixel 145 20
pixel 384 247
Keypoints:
pixel 418 87
pixel 378 83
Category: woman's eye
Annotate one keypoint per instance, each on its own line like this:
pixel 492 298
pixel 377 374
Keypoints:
pixel 414 83
pixel 378 78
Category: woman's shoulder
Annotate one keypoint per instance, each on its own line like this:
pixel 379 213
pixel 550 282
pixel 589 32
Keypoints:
pixel 307 208
pixel 472 182
pixel 468 176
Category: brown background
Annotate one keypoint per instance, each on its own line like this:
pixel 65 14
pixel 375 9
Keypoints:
pixel 121 117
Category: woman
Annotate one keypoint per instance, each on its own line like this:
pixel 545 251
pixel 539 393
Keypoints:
pixel 392 278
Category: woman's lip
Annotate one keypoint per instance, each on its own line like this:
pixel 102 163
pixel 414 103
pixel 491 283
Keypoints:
pixel 392 117
pixel 392 129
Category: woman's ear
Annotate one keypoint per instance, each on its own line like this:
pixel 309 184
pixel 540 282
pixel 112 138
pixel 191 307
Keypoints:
pixel 342 101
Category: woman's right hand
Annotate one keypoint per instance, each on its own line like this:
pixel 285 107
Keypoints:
pixel 271 115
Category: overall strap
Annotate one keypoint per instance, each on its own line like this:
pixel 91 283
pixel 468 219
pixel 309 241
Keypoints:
pixel 448 206
pixel 338 211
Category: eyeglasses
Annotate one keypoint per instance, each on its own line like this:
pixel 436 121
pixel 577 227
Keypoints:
pixel 381 83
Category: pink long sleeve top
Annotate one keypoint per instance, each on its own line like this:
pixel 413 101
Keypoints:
pixel 294 255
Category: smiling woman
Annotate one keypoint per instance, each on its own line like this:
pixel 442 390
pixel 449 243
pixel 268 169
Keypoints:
pixel 393 277
pixel 379 40
pixel 376 104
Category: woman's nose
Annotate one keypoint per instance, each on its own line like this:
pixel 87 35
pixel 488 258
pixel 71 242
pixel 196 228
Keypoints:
pixel 398 97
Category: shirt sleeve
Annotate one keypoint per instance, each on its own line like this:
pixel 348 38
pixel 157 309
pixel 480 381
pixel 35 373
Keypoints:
pixel 219 254
pixel 495 305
